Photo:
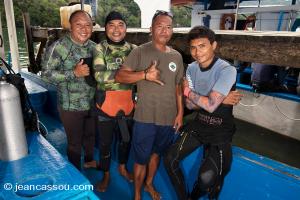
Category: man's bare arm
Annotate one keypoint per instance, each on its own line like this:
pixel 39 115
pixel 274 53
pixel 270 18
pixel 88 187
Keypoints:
pixel 190 105
pixel 209 103
pixel 127 75
pixel 233 98
pixel 179 117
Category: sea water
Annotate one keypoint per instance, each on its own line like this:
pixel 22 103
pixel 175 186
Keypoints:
pixel 24 61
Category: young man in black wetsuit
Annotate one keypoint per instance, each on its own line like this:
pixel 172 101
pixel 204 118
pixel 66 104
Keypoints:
pixel 208 82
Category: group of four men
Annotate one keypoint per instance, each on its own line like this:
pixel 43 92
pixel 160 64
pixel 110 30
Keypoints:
pixel 158 72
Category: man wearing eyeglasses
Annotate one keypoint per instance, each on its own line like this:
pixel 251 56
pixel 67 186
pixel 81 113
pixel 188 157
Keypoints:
pixel 157 69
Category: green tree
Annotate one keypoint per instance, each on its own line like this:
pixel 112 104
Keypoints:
pixel 128 8
pixel 42 12
pixel 46 13
pixel 182 16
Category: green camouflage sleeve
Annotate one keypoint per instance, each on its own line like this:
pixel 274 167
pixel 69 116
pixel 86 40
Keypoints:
pixel 102 74
pixel 53 69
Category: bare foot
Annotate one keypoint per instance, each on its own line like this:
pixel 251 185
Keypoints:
pixel 123 171
pixel 153 193
pixel 91 164
pixel 137 198
pixel 102 185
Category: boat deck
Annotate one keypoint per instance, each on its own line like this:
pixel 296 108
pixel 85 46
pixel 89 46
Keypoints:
pixel 262 177
pixel 267 143
pixel 252 176
pixel 276 180
pixel 42 174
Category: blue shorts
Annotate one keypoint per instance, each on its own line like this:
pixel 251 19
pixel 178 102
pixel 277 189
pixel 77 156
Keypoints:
pixel 149 138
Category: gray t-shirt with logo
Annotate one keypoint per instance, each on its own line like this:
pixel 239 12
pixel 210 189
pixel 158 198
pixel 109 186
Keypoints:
pixel 156 104
pixel 220 77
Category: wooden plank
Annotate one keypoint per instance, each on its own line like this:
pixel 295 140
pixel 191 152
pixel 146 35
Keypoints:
pixel 39 32
pixel 271 47
pixel 29 43
pixel 277 48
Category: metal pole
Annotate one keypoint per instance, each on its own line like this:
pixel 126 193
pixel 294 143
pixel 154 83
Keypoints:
pixel 205 4
pixel 82 4
pixel 292 14
pixel 12 34
pixel 292 17
pixel 236 14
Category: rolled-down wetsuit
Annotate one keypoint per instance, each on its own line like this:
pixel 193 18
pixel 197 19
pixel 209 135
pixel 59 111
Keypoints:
pixel 213 130
pixel 114 101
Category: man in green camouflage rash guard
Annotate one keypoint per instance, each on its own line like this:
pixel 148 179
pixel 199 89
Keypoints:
pixel 63 66
pixel 108 57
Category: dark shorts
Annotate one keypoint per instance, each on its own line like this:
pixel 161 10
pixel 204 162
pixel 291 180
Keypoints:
pixel 149 138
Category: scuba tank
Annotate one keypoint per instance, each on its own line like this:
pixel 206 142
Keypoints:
pixel 13 144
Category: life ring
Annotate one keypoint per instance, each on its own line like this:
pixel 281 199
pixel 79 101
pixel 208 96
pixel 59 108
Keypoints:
pixel 250 23
pixel 227 22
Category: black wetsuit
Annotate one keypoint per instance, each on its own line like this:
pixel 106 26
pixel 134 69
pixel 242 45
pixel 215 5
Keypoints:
pixel 214 131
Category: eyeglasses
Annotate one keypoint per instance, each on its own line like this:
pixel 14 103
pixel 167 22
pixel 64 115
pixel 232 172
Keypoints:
pixel 162 12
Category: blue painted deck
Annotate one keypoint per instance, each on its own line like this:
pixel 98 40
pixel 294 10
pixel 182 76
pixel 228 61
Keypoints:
pixel 251 177
pixel 287 96
pixel 47 170
pixel 45 167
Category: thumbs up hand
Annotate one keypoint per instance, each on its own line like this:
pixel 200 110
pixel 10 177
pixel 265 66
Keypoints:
pixel 153 74
pixel 81 69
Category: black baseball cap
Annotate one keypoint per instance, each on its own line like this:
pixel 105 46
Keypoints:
pixel 114 15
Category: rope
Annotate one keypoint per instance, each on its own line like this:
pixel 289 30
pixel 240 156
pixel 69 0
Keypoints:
pixel 291 118
pixel 42 129
pixel 277 107
pixel 253 105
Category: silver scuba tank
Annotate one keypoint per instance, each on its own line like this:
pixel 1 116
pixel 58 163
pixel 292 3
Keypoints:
pixel 13 144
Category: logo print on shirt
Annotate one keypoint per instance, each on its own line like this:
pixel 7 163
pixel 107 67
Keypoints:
pixel 114 65
pixel 119 61
pixel 172 66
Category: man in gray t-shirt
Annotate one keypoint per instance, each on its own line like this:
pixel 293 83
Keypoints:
pixel 156 103
pixel 157 69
